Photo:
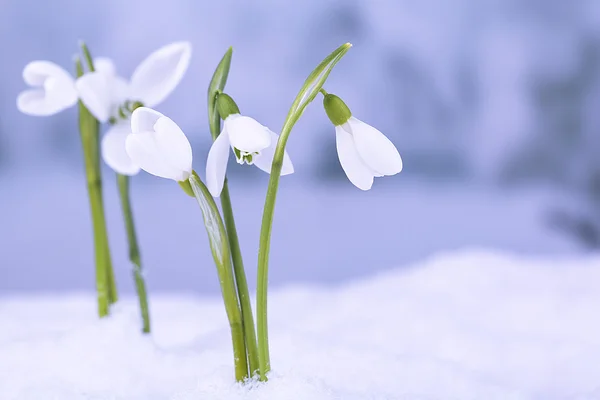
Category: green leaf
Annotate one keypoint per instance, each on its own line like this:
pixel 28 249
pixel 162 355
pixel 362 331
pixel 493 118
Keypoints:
pixel 217 84
pixel 313 84
pixel 213 223
pixel 219 247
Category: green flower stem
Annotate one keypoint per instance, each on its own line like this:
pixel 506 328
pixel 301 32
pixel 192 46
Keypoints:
pixel 112 285
pixel 241 281
pixel 89 130
pixel 217 85
pixel 222 257
pixel 134 251
pixel 309 90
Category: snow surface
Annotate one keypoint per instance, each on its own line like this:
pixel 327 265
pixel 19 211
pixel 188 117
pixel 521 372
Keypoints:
pixel 469 325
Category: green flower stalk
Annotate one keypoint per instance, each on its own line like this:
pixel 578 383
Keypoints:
pixel 89 130
pixel 134 252
pixel 217 85
pixel 222 257
pixel 309 90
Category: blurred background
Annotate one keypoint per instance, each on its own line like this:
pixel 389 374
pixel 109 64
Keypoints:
pixel 494 106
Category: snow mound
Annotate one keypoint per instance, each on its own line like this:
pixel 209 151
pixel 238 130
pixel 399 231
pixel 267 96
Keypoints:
pixel 470 325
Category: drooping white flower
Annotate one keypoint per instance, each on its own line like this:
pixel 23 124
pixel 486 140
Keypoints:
pixel 53 89
pixel 251 142
pixel 157 145
pixel 364 152
pixel 104 93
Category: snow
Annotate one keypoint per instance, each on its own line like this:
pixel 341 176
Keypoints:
pixel 461 325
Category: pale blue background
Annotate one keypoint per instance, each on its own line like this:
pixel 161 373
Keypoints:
pixel 494 105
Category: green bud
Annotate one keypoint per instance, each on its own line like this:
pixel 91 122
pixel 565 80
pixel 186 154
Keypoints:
pixel 226 106
pixel 337 111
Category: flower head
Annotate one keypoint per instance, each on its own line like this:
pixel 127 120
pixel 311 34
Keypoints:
pixel 53 89
pixel 103 91
pixel 110 97
pixel 158 146
pixel 251 142
pixel 364 152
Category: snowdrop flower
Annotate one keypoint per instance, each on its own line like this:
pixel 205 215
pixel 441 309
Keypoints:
pixel 53 89
pixel 110 97
pixel 364 152
pixel 158 146
pixel 251 142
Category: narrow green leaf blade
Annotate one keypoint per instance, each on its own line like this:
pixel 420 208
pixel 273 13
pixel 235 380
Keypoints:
pixel 314 83
pixel 212 222
pixel 217 84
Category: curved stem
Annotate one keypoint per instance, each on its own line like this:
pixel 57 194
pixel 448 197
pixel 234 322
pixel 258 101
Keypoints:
pixel 134 251
pixel 222 257
pixel 309 90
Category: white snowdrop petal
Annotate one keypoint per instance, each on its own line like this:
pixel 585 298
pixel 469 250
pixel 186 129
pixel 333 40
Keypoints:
pixel 34 102
pixel 143 150
pixel 376 150
pixel 156 77
pixel 94 89
pixel 216 164
pixel 120 92
pixel 114 152
pixel 56 89
pixel 356 170
pixel 174 145
pixel 105 66
pixel 265 159
pixel 36 72
pixel 143 119
pixel 246 134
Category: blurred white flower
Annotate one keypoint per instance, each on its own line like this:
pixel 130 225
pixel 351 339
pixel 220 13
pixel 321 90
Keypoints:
pixel 365 153
pixel 158 146
pixel 54 89
pixel 105 94
pixel 251 142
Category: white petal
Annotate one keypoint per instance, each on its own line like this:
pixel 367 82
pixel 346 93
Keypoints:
pixel 175 146
pixel 158 146
pixel 246 134
pixel 376 150
pixel 57 94
pixel 156 77
pixel 36 72
pixel 95 92
pixel 216 164
pixel 114 152
pixel 105 66
pixel 143 150
pixel 143 119
pixel 117 88
pixel 265 159
pixel 354 167
pixel 120 92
